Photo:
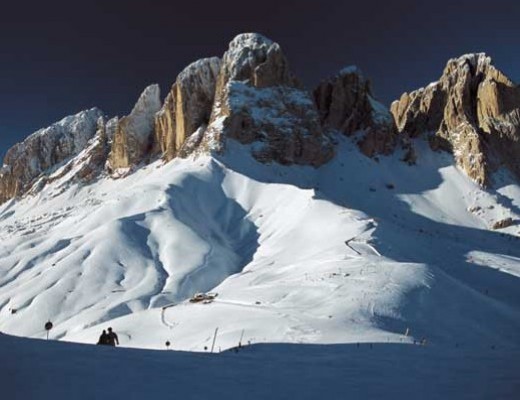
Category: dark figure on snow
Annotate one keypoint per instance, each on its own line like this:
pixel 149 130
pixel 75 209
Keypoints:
pixel 112 338
pixel 103 339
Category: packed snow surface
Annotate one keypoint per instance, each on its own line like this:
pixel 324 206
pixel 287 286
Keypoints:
pixel 35 369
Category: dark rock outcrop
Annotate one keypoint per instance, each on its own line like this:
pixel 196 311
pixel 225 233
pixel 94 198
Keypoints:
pixel 95 155
pixel 346 104
pixel 503 223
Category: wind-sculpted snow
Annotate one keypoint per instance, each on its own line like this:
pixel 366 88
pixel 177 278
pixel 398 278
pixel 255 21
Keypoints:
pixel 107 257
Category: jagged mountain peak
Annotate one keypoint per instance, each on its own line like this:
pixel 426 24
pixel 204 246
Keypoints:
pixel 253 57
pixel 150 98
pixel 70 121
pixel 249 39
pixel 250 95
pixel 200 64
pixel 351 69
pixel 134 133
pixel 44 149
pixel 187 107
pixel 258 102
pixel 477 65
pixel 473 111
pixel 474 60
pixel 346 104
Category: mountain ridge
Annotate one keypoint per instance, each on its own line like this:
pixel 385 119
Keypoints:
pixel 293 126
pixel 313 215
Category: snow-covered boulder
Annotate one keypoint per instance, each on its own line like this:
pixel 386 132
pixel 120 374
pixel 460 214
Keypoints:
pixel 134 135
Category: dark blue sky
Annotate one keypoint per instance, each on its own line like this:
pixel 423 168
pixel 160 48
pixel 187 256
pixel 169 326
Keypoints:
pixel 59 57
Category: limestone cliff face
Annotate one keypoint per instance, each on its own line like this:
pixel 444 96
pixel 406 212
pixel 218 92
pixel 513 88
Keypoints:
pixel 187 106
pixel 472 111
pixel 346 104
pixel 45 149
pixel 259 102
pixel 133 139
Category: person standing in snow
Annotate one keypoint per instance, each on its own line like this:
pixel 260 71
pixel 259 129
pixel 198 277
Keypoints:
pixel 112 337
pixel 103 339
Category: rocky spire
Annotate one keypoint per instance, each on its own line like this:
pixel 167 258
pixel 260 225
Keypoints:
pixel 346 104
pixel 472 111
pixel 258 102
pixel 187 106
pixel 133 138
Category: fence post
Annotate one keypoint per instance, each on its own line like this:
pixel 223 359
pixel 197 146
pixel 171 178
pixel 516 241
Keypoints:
pixel 214 339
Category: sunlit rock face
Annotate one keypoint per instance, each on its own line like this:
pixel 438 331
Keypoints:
pixel 187 106
pixel 345 103
pixel 258 102
pixel 44 150
pixel 133 139
pixel 472 111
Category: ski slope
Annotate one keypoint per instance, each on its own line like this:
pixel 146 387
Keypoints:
pixel 35 369
pixel 359 250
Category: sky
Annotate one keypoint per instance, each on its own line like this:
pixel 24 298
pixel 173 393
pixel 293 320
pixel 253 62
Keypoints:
pixel 60 57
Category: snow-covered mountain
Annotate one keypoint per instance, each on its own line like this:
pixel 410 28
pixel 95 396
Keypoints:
pixel 312 215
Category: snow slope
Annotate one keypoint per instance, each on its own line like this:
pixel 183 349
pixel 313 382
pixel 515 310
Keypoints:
pixel 359 250
pixel 34 369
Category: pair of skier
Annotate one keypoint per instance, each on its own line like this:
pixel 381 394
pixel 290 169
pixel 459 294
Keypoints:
pixel 108 339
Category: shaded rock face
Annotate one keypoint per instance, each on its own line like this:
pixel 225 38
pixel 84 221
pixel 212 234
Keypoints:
pixel 44 150
pixel 345 103
pixel 133 139
pixel 187 106
pixel 472 111
pixel 95 156
pixel 258 102
pixel 85 167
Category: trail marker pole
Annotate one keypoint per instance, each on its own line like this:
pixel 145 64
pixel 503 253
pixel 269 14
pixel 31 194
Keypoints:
pixel 214 339
pixel 241 337
pixel 48 327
